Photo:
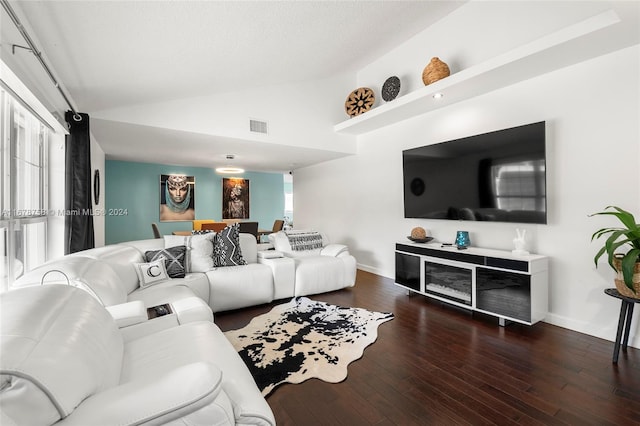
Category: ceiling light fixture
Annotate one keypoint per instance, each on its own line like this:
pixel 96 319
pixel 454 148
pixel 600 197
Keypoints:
pixel 229 169
pixel 438 96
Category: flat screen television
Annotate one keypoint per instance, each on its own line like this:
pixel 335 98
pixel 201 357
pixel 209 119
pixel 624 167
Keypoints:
pixel 498 176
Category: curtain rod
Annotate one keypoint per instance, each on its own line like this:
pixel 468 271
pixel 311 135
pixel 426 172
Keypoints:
pixel 38 54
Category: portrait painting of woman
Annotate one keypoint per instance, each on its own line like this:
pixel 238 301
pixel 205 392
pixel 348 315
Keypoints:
pixel 177 197
pixel 235 198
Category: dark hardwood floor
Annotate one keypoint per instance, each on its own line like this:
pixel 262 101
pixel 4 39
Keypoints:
pixel 438 365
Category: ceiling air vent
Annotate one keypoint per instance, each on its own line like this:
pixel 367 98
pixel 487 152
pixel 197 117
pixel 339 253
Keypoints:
pixel 258 126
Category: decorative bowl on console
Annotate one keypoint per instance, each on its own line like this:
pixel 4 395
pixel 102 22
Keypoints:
pixel 419 235
pixel 626 264
pixel 420 240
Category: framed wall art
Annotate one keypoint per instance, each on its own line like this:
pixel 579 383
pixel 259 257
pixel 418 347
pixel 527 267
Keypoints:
pixel 235 198
pixel 177 197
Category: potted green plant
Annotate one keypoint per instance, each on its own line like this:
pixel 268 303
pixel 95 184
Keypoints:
pixel 626 237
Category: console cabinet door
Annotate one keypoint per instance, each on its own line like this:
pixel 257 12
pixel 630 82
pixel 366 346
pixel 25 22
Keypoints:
pixel 504 293
pixel 408 271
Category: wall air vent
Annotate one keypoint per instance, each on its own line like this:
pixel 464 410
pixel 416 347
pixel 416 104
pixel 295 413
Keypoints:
pixel 258 126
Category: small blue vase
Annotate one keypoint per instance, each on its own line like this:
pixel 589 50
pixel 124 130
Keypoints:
pixel 462 239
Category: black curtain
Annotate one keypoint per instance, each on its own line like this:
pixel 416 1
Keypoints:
pixel 79 218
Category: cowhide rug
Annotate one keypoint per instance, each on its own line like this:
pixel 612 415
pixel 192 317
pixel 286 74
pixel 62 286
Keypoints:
pixel 303 339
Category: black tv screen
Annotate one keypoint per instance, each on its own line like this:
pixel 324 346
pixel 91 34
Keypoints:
pixel 498 176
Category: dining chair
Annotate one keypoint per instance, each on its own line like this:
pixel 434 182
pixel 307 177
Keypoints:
pixel 156 231
pixel 196 224
pixel 213 226
pixel 278 224
pixel 249 228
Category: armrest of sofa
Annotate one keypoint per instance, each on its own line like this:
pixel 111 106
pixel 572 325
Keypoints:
pixel 151 326
pixel 157 399
pixel 284 272
pixel 191 309
pixel 129 313
pixel 334 250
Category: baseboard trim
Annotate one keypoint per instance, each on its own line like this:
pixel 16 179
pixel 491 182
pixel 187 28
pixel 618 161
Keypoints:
pixel 374 270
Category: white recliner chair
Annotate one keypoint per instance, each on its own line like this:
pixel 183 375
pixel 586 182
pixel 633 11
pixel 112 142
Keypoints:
pixel 64 361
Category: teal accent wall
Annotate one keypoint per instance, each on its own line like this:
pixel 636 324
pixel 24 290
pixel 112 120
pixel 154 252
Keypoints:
pixel 132 198
pixel 288 189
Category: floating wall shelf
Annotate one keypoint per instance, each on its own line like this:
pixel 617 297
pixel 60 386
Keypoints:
pixel 571 45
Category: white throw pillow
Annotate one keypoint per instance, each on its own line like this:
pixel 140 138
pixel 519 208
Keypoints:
pixel 199 250
pixel 151 273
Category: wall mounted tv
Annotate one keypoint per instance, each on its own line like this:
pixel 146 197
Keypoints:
pixel 498 176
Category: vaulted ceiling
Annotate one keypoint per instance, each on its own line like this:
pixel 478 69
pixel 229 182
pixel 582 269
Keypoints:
pixel 114 54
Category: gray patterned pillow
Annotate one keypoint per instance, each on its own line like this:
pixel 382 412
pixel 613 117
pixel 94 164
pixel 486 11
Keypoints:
pixel 201 231
pixel 174 259
pixel 226 247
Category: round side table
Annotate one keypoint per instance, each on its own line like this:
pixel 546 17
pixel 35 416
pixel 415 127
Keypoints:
pixel 624 323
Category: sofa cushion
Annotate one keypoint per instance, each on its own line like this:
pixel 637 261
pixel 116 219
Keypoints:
pixel 117 255
pixel 236 287
pixel 174 259
pixel 191 394
pixel 152 272
pixel 97 277
pixel 159 294
pixel 249 247
pixel 226 247
pixel 114 253
pixel 157 353
pixel 143 246
pixel 59 343
pixel 323 273
pixel 199 250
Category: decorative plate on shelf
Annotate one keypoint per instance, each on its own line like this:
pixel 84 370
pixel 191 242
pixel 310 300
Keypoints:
pixel 359 101
pixel 420 240
pixel 390 88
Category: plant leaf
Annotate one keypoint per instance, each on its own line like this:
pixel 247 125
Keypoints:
pixel 599 233
pixel 624 216
pixel 628 264
pixel 611 245
pixel 599 254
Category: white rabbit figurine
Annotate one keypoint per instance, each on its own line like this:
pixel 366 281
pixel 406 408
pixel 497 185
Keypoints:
pixel 519 242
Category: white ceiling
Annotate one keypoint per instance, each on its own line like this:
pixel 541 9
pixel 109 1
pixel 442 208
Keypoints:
pixel 111 54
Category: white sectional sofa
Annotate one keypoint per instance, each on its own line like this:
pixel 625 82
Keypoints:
pixel 157 335
pixel 108 272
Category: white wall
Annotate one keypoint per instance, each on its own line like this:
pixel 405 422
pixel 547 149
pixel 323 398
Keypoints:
pixel 97 163
pixel 593 144
pixel 299 114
